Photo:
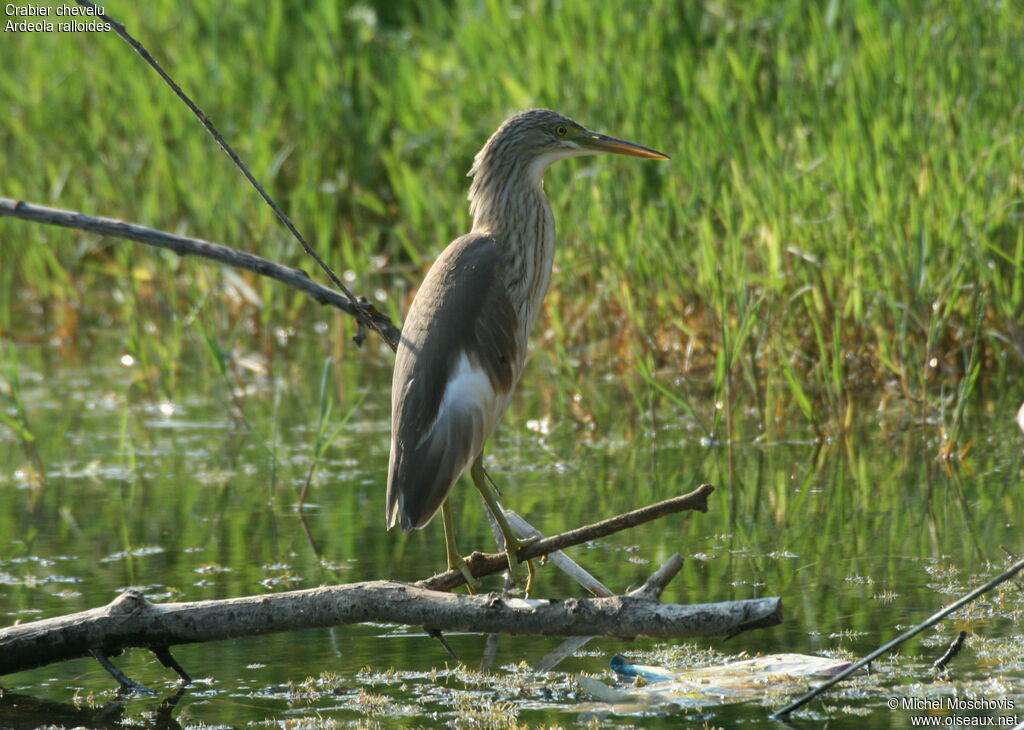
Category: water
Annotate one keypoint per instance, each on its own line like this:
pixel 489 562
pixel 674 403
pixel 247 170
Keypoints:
pixel 182 483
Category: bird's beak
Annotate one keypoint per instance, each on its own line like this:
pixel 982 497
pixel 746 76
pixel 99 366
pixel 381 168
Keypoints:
pixel 603 143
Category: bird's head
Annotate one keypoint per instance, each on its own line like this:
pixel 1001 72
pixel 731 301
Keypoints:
pixel 538 137
pixel 515 157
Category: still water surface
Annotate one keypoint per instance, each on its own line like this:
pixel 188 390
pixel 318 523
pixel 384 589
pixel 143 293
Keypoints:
pixel 169 489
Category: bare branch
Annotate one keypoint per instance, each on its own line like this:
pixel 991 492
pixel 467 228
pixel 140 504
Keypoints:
pixel 950 653
pixel 481 565
pixel 559 559
pixel 183 246
pixel 653 586
pixel 128 685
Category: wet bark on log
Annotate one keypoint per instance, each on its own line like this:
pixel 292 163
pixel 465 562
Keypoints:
pixel 132 621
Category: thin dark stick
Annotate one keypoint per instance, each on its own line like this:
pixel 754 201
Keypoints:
pixel 436 633
pixel 929 622
pixel 184 246
pixel 163 653
pixel 127 683
pixel 481 565
pixel 952 651
pixel 362 316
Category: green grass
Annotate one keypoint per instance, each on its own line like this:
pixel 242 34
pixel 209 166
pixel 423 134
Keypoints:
pixel 840 225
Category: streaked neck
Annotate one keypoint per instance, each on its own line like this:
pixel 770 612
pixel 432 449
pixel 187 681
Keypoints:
pixel 510 205
pixel 507 199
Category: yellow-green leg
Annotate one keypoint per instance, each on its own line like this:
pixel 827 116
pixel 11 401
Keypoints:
pixel 513 544
pixel 455 559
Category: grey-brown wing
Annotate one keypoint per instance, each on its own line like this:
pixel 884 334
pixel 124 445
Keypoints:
pixel 458 348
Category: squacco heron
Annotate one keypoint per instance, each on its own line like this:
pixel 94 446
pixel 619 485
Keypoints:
pixel 464 340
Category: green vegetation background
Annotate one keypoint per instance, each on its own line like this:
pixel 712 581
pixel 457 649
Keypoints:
pixel 840 223
pixel 836 246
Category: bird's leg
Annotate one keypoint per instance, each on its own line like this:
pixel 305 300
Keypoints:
pixel 455 560
pixel 513 544
pixel 490 480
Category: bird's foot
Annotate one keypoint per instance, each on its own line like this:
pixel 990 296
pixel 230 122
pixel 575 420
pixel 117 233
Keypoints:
pixel 512 546
pixel 459 563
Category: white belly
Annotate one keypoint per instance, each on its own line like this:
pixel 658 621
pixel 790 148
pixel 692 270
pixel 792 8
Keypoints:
pixel 470 406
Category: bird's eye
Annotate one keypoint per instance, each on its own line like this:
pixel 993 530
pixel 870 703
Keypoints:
pixel 561 131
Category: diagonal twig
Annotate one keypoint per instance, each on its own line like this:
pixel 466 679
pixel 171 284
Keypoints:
pixel 927 623
pixel 363 316
pixel 163 654
pixel 560 560
pixel 128 685
pixel 481 565
pixel 950 653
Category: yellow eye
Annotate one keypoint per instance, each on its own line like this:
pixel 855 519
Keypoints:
pixel 561 131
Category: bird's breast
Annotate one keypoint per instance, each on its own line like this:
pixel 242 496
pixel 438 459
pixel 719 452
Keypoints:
pixel 533 258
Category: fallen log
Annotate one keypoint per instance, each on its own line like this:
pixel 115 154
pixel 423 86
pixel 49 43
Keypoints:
pixel 130 621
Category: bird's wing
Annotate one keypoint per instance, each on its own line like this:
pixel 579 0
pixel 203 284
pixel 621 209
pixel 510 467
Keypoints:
pixel 456 365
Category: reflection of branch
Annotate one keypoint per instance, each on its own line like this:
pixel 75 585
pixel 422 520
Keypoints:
pixel 183 245
pixel 481 565
pixel 25 712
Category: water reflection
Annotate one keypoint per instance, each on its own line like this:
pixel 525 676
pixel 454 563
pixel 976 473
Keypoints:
pixel 862 537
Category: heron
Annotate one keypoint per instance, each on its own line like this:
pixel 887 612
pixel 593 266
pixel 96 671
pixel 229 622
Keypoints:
pixel 464 342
